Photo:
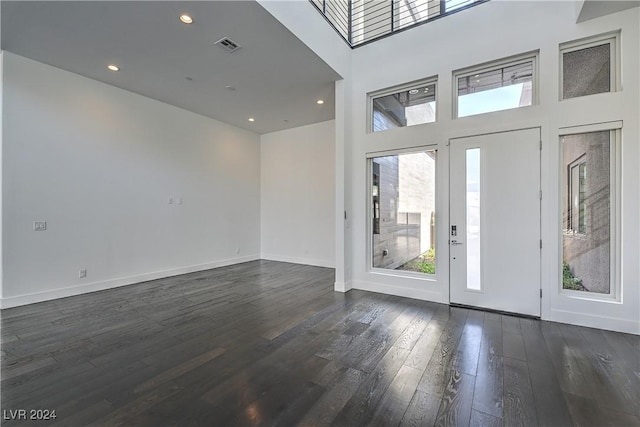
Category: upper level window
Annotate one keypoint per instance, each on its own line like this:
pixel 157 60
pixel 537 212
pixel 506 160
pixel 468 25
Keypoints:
pixel 588 67
pixel 404 106
pixel 337 13
pixel 498 86
pixel 362 21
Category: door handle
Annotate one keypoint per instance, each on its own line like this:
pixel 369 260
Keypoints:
pixel 455 243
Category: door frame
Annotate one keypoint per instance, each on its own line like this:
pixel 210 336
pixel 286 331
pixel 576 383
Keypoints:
pixel 541 184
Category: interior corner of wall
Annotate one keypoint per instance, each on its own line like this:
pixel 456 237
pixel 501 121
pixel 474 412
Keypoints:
pixel 579 6
pixel 342 286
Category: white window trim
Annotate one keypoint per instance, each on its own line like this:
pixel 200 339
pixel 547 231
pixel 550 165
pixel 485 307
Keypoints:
pixel 615 83
pixel 399 88
pixel 369 202
pixel 492 66
pixel 615 239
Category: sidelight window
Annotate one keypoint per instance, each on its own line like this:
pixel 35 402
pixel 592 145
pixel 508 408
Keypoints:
pixel 403 211
pixel 589 212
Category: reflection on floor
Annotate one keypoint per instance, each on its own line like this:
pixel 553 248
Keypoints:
pixel 268 343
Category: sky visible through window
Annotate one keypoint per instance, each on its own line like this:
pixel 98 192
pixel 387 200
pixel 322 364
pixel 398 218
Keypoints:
pixel 502 98
pixel 455 4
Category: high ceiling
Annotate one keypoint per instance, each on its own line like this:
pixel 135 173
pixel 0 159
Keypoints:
pixel 273 78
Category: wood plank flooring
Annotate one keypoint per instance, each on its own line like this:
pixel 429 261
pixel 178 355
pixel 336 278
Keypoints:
pixel 270 344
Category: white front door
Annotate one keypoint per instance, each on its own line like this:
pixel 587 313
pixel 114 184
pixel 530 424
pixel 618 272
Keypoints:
pixel 494 229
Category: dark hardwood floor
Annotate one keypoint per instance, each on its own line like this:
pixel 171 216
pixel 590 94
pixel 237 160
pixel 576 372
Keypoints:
pixel 269 343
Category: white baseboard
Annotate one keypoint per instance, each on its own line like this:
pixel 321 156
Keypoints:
pixel 69 291
pixel 400 291
pixel 299 260
pixel 342 286
pixel 595 321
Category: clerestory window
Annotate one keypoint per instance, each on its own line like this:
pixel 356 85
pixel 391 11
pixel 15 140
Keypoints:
pixel 362 21
pixel 401 106
pixel 497 86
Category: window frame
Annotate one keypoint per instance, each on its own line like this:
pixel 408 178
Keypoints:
pixel 532 56
pixel 615 210
pixel 370 217
pixel 400 88
pixel 614 51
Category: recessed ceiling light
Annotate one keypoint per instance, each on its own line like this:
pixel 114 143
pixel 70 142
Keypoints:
pixel 319 102
pixel 186 19
pixel 477 75
pixel 113 67
pixel 413 91
pixel 251 119
pixel 230 88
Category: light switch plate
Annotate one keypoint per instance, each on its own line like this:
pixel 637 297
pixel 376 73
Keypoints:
pixel 39 225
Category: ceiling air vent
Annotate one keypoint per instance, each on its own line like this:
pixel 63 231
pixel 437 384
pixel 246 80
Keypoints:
pixel 227 44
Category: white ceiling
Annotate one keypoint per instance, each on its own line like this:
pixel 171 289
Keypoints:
pixel 277 78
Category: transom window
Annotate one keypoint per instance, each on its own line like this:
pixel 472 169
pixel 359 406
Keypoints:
pixel 502 85
pixel 588 67
pixel 402 106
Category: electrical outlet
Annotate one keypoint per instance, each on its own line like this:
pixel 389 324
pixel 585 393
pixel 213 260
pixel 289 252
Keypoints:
pixel 170 200
pixel 82 273
pixel 39 225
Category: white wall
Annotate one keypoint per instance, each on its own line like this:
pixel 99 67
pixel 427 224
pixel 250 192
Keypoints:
pixel 98 164
pixel 302 18
pixel 298 195
pixel 344 243
pixel 1 172
pixel 492 31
